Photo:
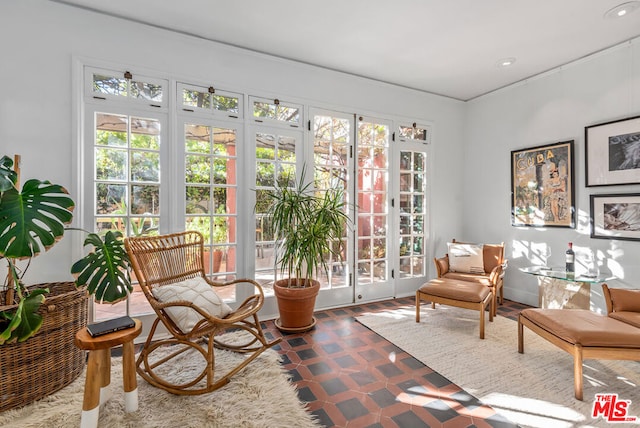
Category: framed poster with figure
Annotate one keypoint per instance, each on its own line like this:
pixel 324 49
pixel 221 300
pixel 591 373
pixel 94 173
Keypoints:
pixel 612 153
pixel 615 216
pixel 542 189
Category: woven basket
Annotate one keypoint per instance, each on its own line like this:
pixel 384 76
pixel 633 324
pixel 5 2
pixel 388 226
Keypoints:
pixel 49 360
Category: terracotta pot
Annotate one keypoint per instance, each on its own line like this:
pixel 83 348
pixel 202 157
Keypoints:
pixel 217 260
pixel 296 304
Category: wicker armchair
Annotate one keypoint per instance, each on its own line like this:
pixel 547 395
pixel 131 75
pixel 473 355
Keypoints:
pixel 164 262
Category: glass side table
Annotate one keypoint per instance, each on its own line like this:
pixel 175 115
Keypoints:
pixel 559 290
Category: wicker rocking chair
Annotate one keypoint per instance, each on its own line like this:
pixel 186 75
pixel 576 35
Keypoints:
pixel 176 261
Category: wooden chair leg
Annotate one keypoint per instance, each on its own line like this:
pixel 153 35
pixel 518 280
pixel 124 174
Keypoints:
pixel 417 306
pixel 520 337
pixel 129 378
pixel 491 310
pixel 482 309
pixel 577 371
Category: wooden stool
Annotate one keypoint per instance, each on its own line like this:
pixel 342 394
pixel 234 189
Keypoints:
pixel 99 370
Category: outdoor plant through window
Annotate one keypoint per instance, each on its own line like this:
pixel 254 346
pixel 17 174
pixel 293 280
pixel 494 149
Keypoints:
pixel 210 192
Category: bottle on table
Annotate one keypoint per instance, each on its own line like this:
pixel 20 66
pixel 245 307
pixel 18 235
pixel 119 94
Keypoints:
pixel 571 260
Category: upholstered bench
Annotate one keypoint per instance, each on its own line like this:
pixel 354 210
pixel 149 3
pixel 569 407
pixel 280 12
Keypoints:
pixel 583 334
pixel 461 294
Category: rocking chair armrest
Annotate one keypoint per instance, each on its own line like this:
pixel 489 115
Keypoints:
pixel 255 284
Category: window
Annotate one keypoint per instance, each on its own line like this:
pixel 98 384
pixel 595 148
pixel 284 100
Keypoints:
pixel 108 84
pixel 123 146
pixel 276 111
pixel 413 212
pixel 127 173
pixel 276 156
pixel 210 172
pixel 332 142
pixel 209 100
pixel 413 132
pixel 373 194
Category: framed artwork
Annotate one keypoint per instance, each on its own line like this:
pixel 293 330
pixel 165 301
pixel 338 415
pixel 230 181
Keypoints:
pixel 616 216
pixel 542 189
pixel 612 153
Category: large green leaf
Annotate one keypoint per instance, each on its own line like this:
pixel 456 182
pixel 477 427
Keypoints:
pixel 105 271
pixel 25 321
pixel 8 177
pixel 32 220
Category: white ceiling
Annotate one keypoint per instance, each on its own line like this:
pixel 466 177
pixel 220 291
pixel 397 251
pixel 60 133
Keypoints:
pixel 446 47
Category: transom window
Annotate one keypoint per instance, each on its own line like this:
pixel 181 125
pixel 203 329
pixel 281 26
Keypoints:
pixel 126 85
pixel 276 111
pixel 413 132
pixel 211 100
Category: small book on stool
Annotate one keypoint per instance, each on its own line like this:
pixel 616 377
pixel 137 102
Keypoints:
pixel 109 326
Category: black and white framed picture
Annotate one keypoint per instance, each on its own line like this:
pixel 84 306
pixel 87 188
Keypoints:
pixel 612 152
pixel 616 216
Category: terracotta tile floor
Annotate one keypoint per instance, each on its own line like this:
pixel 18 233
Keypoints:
pixel 352 377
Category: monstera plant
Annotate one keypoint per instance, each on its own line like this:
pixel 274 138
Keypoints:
pixel 32 219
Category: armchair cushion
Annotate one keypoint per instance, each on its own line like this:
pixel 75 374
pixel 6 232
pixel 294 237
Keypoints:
pixel 632 318
pixel 625 300
pixel 470 277
pixel 196 290
pixel 467 258
pixel 493 255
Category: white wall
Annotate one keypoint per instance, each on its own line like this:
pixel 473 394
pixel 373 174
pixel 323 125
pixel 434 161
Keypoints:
pixel 549 108
pixel 41 41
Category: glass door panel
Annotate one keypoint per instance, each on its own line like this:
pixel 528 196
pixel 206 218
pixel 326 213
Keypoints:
pixel 332 140
pixel 126 187
pixel 276 157
pixel 412 214
pixel 373 269
pixel 210 207
pixel 411 210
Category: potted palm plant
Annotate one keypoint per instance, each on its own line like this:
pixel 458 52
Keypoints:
pixel 308 229
pixel 38 322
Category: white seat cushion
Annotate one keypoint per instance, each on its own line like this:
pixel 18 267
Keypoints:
pixel 465 258
pixel 195 290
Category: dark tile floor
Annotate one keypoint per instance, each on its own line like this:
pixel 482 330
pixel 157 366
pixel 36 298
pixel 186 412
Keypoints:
pixel 352 377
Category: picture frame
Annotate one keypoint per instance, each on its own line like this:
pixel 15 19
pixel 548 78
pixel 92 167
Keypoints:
pixel 615 216
pixel 542 186
pixel 612 153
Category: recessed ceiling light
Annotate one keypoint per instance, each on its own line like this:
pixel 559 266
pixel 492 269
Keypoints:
pixel 622 10
pixel 505 62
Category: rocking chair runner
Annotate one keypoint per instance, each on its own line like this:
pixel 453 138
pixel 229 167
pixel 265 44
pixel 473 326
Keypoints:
pixel 178 259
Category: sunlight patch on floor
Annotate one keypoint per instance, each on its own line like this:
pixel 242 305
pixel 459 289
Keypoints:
pixel 534 413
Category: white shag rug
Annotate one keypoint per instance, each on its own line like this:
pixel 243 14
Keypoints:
pixel 534 389
pixel 259 396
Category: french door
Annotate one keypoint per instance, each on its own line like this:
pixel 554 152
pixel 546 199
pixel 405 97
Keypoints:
pixel 410 208
pixel 332 135
pixel 353 153
pixel 373 222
